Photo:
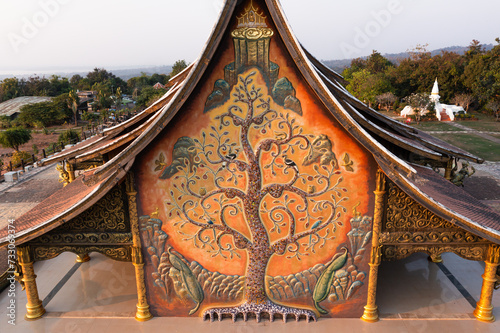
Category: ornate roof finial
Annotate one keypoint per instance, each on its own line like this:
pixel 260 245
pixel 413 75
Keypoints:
pixel 252 18
pixel 435 89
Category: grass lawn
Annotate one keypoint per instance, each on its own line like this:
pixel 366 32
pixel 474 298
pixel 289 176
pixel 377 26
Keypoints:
pixel 485 124
pixel 431 126
pixel 474 144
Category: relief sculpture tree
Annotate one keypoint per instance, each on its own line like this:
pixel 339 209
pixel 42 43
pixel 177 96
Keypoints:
pixel 220 184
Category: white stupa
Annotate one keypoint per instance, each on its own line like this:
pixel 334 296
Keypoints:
pixel 443 110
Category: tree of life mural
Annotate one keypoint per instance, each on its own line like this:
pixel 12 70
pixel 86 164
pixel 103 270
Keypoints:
pixel 225 198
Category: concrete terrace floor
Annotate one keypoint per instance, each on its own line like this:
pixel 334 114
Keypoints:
pixel 414 295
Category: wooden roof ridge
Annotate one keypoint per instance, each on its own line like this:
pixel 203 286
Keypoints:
pixel 305 67
pixel 153 108
pixel 62 206
pixel 335 83
pixel 73 151
pixel 114 142
pixel 185 89
pixel 323 69
pixel 447 201
pixel 112 132
pixel 419 137
pixel 329 100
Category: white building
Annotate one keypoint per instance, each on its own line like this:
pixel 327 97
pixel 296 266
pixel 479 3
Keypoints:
pixel 443 111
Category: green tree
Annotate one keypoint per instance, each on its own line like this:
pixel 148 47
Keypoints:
pixel 9 89
pixel 367 86
pixel 482 74
pixel 14 137
pixel 73 102
pixel 376 63
pixel 45 113
pixel 149 95
pixel 420 102
pixel 386 100
pixel 178 67
pixel 68 137
pixel 118 98
pixel 494 107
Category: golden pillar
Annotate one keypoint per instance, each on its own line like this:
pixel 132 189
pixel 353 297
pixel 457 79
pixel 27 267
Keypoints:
pixel 34 305
pixel 449 169
pixel 142 313
pixel 371 312
pixel 484 309
pixel 71 171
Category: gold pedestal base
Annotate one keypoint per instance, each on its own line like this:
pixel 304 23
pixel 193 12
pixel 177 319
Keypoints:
pixel 82 257
pixel 436 259
pixel 484 313
pixel 143 313
pixel 34 312
pixel 371 314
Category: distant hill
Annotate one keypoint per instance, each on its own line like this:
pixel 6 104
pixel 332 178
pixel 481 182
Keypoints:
pixel 125 74
pixel 336 65
pixel 340 65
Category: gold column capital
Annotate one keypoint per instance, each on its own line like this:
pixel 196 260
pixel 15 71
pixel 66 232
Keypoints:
pixel 380 187
pixel 493 254
pixel 24 255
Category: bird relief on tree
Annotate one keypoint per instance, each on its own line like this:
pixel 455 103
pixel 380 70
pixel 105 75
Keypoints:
pixel 254 189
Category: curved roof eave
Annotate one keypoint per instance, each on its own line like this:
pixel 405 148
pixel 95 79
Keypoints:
pixel 324 94
pixel 74 210
pixel 73 152
pixel 169 110
pixel 305 67
pixel 115 142
pixel 437 207
pixel 149 110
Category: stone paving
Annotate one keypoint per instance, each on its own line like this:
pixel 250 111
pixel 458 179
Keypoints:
pixel 16 198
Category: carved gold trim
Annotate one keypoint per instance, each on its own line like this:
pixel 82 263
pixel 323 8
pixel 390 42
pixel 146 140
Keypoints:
pixel 471 251
pixel 71 172
pixel 106 216
pixel 118 252
pixel 405 214
pixel 109 238
pixel 432 237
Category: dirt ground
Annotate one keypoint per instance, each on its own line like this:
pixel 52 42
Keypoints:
pixel 42 141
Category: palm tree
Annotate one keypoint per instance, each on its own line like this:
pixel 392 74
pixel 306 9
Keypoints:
pixel 73 102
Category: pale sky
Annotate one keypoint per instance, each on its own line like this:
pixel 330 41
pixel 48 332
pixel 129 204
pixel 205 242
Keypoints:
pixel 36 35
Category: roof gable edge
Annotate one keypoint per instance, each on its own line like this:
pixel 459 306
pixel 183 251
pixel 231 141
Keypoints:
pixel 311 76
pixel 170 110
